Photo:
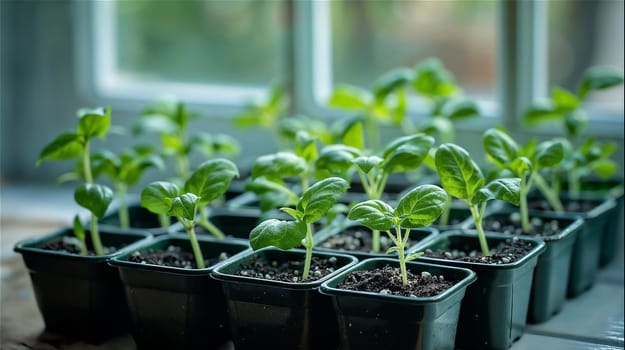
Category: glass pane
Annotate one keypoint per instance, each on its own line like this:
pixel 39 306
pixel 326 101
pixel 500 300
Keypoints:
pixel 231 42
pixel 372 37
pixel 583 34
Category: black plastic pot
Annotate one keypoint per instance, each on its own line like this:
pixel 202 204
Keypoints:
pixel 374 321
pixel 176 308
pixel 552 269
pixel 80 297
pixel 268 314
pixel 587 246
pixel 494 310
pixel 418 235
pixel 139 217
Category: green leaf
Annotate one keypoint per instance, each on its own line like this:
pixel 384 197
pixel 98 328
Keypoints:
pixel 79 231
pixel 335 160
pixel 157 197
pixel 500 147
pixel 279 165
pixel 548 154
pixel 406 153
pixel 521 166
pixel 105 162
pixel 64 146
pixel 421 206
pixel 278 233
pixel 599 78
pixel 605 168
pixel 608 149
pixel 353 133
pixel 413 256
pixel 350 97
pixel 184 206
pixel 528 149
pixel 391 81
pixel 541 113
pixel 293 213
pixel 320 197
pixel 211 179
pixel 94 123
pixel 305 146
pixel 507 190
pixel 460 108
pixel 374 214
pixel 563 100
pixel 433 80
pixel 576 122
pixel 392 249
pixel 94 197
pixel 459 174
pixel 366 163
pixel 173 144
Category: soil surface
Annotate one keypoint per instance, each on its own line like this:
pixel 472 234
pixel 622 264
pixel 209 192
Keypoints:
pixel 572 206
pixel 174 256
pixel 506 252
pixel 288 271
pixel 387 280
pixel 360 240
pixel 511 224
pixel 72 245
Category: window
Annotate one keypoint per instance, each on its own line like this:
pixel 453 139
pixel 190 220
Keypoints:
pixel 583 34
pixel 207 51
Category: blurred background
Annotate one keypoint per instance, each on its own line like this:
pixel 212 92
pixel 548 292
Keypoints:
pixel 220 56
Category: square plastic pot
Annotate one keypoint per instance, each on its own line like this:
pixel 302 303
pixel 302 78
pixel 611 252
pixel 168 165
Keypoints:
pixel 587 246
pixel 494 310
pixel 371 321
pixel 550 282
pixel 80 297
pixel 176 308
pixel 267 314
pixel 419 235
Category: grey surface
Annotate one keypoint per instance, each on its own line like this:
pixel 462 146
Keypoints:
pixel 539 342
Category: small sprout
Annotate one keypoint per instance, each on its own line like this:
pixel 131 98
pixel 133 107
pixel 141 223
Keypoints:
pixel 463 179
pixel 311 206
pixel 418 208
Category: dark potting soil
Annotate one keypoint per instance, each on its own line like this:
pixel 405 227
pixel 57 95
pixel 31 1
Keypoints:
pixel 511 250
pixel 288 271
pixel 571 206
pixel 512 225
pixel 387 280
pixel 359 240
pixel 72 245
pixel 173 256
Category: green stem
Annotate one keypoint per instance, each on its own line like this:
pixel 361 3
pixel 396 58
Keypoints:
pixel 380 185
pixel 183 166
pixel 86 164
pixel 402 257
pixel 552 197
pixel 209 226
pixel 274 186
pixel 371 130
pixel 477 218
pixel 197 252
pixel 574 184
pixel 95 236
pixel 309 247
pixel 163 219
pixel 124 219
pixel 304 181
pixel 83 247
pixel 444 218
pixel 375 241
pixel 525 221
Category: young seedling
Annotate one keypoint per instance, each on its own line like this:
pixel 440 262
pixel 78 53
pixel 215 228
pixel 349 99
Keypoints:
pixel 311 206
pixel 209 182
pixel 76 145
pixel 170 120
pixel 266 114
pixel 525 163
pixel 433 82
pixel 165 198
pixel 565 108
pixel 463 179
pixel 418 208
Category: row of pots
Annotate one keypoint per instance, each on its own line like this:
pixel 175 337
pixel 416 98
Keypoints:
pixel 171 308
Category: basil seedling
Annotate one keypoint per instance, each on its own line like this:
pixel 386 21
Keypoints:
pixel 76 145
pixel 266 114
pixel 165 198
pixel 463 179
pixel 310 207
pixel 525 163
pixel 418 208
